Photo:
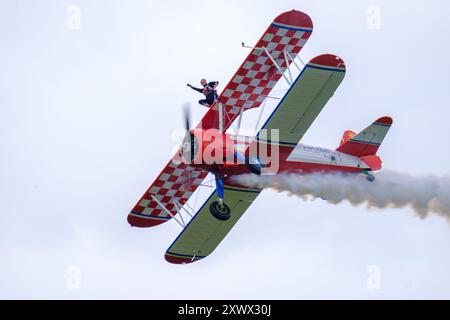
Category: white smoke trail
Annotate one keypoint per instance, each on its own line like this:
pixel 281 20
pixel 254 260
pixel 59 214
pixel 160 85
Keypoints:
pixel 426 194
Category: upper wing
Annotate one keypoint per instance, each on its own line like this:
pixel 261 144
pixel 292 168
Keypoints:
pixel 257 75
pixel 305 99
pixel 173 187
pixel 204 232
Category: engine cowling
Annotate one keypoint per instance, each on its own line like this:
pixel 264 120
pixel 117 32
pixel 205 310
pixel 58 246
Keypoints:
pixel 205 148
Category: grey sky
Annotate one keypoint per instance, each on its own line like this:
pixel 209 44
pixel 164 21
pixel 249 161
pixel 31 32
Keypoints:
pixel 86 125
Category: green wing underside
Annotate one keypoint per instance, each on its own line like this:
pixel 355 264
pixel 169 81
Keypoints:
pixel 204 232
pixel 303 103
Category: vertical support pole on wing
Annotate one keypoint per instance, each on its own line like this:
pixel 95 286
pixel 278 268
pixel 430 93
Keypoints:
pixel 286 57
pixel 180 208
pixel 190 208
pixel 220 117
pixel 260 115
pixel 241 112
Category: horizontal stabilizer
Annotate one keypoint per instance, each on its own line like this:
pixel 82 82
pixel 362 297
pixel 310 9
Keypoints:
pixel 373 162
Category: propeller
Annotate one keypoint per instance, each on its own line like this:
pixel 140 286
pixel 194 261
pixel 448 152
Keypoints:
pixel 188 146
pixel 187 116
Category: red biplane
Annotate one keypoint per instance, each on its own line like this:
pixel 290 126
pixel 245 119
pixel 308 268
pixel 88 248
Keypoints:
pixel 208 148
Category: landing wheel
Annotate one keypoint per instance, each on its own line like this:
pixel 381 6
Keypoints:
pixel 220 211
pixel 254 168
pixel 370 177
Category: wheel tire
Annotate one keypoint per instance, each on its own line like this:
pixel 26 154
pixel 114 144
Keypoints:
pixel 220 213
pixel 254 168
pixel 370 177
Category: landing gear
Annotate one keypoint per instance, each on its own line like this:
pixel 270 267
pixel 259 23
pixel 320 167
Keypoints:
pixel 255 166
pixel 370 177
pixel 220 210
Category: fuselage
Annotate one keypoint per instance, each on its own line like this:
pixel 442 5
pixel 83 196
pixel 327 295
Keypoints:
pixel 228 155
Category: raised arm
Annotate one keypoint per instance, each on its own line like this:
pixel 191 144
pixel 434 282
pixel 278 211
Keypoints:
pixel 194 88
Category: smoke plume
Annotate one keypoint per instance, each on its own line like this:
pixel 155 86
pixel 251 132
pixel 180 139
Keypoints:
pixel 424 194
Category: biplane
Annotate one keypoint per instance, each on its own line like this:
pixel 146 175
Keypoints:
pixel 210 149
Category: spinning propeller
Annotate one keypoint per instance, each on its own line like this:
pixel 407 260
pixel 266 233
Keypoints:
pixel 188 147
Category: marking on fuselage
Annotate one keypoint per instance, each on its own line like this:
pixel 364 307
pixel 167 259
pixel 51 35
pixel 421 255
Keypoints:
pixel 318 155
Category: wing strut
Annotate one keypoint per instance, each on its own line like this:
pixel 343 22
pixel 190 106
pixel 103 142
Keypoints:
pixel 241 112
pixel 260 115
pixel 181 223
pixel 180 207
pixel 289 81
pixel 286 58
pixel 293 59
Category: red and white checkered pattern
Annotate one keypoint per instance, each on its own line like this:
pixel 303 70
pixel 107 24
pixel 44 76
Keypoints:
pixel 257 76
pixel 175 184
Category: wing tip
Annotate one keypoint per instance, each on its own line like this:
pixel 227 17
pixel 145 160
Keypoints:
pixel 329 60
pixel 141 222
pixel 295 18
pixel 385 120
pixel 172 258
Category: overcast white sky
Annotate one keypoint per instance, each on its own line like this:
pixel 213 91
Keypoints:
pixel 86 123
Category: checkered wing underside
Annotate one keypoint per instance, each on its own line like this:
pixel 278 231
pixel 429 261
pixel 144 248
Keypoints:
pixel 173 188
pixel 257 75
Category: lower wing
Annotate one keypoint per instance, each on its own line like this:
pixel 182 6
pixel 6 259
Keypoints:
pixel 204 232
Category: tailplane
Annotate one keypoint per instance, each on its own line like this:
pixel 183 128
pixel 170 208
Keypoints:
pixel 367 142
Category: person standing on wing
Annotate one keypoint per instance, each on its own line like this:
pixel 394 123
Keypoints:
pixel 209 90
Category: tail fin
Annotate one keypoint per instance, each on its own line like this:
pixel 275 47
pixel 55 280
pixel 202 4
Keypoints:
pixel 367 142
